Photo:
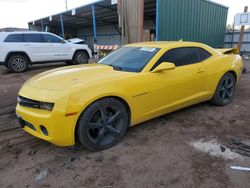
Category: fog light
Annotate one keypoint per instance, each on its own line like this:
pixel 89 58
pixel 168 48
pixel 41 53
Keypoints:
pixel 44 130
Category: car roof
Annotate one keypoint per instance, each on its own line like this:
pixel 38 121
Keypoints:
pixel 174 44
pixel 4 34
pixel 22 32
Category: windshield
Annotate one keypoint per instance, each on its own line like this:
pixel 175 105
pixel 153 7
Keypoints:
pixel 131 59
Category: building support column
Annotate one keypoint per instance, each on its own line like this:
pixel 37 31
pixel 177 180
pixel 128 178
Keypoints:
pixel 42 26
pixel 141 23
pixel 157 21
pixel 29 26
pixel 62 26
pixel 94 24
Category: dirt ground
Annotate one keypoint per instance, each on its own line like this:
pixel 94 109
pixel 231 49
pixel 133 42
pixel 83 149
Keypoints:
pixel 156 153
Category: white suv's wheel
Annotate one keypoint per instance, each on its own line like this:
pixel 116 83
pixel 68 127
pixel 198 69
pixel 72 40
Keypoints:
pixel 81 57
pixel 18 63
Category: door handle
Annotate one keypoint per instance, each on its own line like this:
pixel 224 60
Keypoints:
pixel 26 45
pixel 200 70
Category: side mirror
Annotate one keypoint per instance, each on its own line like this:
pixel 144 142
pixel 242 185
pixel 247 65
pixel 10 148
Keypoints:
pixel 163 67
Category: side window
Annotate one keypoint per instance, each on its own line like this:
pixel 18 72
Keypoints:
pixel 180 56
pixel 51 39
pixel 14 38
pixel 204 54
pixel 34 38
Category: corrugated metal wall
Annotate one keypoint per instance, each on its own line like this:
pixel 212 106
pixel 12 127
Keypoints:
pixel 192 20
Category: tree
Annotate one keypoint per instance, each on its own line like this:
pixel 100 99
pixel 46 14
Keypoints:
pixel 229 27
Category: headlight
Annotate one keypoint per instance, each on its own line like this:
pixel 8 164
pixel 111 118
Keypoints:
pixel 46 106
pixel 29 103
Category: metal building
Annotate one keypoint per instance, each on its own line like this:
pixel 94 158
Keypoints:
pixel 92 22
pixel 190 20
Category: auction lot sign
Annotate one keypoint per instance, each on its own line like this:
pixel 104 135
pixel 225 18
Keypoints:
pixel 242 19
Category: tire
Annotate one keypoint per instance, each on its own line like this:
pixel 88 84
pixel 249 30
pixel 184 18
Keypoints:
pixel 225 90
pixel 81 57
pixel 102 124
pixel 18 63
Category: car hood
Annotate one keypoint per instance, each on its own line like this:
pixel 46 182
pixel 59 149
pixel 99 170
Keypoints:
pixel 76 40
pixel 67 77
pixel 75 45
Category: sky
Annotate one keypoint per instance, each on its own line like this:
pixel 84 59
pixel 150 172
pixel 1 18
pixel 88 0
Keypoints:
pixel 17 13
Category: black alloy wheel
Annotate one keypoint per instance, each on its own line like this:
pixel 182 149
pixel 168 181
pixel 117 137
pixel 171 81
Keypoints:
pixel 225 90
pixel 103 124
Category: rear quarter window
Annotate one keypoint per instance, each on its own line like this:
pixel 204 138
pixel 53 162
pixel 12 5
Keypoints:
pixel 14 38
pixel 204 54
pixel 51 39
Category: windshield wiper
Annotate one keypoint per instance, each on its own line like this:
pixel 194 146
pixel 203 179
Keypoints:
pixel 115 67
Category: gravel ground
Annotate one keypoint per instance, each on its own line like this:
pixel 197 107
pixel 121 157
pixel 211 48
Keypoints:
pixel 157 153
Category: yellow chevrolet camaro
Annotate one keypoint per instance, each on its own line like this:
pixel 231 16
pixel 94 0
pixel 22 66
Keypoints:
pixel 96 103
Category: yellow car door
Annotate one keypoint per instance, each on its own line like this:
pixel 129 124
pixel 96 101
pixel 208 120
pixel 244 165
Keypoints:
pixel 180 87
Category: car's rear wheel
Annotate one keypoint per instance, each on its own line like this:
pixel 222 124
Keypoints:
pixel 18 63
pixel 81 57
pixel 102 124
pixel 225 90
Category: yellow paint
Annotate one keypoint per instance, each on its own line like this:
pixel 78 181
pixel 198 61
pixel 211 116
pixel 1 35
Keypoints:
pixel 148 94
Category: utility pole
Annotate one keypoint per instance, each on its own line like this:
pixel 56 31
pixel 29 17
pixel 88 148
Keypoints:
pixel 66 4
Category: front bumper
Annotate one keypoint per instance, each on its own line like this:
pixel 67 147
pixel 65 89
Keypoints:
pixel 60 128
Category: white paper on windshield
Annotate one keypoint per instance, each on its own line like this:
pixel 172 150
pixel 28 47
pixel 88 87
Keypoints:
pixel 147 49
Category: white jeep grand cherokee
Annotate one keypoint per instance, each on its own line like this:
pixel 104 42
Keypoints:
pixel 18 50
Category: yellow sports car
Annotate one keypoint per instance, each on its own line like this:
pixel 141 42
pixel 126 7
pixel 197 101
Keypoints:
pixel 96 103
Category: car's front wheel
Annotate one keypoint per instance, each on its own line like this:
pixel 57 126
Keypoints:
pixel 102 124
pixel 81 57
pixel 225 90
pixel 18 63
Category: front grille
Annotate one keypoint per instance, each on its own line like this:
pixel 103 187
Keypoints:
pixel 28 102
pixel 22 101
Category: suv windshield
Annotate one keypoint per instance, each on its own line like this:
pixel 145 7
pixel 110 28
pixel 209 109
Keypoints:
pixel 131 59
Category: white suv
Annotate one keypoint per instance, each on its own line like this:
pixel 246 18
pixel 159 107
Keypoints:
pixel 18 50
